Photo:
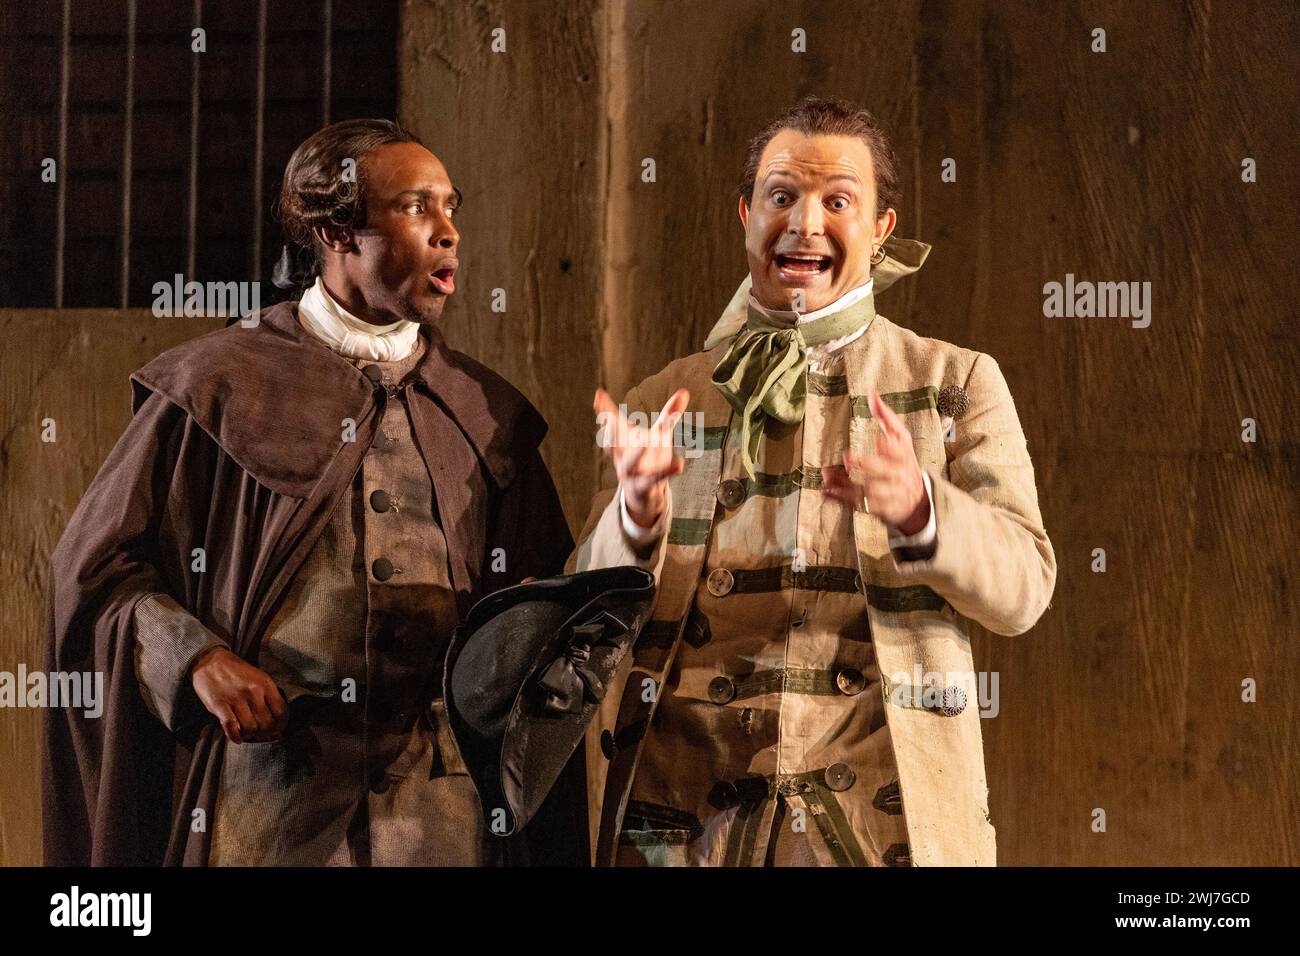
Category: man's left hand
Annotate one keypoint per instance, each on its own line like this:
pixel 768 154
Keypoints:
pixel 889 481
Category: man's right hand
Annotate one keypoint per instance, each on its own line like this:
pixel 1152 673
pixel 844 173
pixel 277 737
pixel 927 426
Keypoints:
pixel 643 457
pixel 243 698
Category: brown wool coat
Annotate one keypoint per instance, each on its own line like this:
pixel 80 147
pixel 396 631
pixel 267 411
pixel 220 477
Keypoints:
pixel 237 446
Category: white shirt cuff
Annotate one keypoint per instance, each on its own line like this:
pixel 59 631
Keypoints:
pixel 924 537
pixel 635 533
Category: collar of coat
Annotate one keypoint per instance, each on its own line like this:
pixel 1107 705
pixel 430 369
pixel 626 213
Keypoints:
pixel 275 398
pixel 902 258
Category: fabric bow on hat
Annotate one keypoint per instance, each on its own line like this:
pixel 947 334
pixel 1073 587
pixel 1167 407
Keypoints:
pixel 568 681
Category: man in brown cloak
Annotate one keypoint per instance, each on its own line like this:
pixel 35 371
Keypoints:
pixel 268 567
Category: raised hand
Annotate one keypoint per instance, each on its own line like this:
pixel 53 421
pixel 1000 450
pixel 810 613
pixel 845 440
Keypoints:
pixel 643 456
pixel 888 484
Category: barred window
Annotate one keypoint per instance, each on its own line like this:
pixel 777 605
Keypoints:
pixel 141 139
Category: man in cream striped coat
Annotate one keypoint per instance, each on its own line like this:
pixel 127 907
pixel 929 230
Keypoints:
pixel 844 497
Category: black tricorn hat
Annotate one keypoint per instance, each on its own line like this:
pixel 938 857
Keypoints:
pixel 524 675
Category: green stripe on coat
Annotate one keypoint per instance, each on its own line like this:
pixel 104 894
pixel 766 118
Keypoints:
pixel 711 440
pixel 913 597
pixel 689 532
pixel 787 680
pixel 827 385
pixel 916 400
pixel 769 485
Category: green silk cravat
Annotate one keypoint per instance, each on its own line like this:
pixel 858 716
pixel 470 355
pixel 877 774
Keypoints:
pixel 764 374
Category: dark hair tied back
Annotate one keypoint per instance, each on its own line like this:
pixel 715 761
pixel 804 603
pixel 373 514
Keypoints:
pixel 321 188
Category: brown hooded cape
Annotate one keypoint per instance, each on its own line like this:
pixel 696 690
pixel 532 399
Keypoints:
pixel 236 446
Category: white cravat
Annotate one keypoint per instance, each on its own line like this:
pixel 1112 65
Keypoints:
pixel 816 355
pixel 322 316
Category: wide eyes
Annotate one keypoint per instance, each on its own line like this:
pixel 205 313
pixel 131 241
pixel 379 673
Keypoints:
pixel 781 199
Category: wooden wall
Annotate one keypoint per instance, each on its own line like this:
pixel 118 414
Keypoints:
pixel 71 366
pixel 1123 165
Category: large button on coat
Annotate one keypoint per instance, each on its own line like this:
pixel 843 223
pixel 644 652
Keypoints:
pixel 721 582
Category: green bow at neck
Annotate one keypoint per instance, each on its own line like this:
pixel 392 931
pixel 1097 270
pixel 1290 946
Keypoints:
pixel 764 374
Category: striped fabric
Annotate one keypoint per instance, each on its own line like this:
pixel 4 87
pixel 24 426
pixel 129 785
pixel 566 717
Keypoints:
pixel 780 615
pixel 761 698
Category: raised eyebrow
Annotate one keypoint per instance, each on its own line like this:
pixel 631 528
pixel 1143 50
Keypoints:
pixel 790 177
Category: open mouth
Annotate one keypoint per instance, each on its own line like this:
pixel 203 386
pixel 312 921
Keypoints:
pixel 803 265
pixel 444 280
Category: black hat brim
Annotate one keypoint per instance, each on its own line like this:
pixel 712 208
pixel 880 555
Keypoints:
pixel 514 743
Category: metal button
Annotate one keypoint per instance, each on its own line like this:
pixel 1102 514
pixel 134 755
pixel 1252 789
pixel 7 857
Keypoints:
pixel 721 582
pixel 722 690
pixel 953 401
pixel 731 493
pixel 850 681
pixel 607 745
pixel 382 569
pixel 380 501
pixel 840 776
pixel 952 702
pixel 724 795
pixel 374 373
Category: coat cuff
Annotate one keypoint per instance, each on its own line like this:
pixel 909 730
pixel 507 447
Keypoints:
pixel 608 545
pixel 168 640
pixel 989 565
pixel 920 546
pixel 638 536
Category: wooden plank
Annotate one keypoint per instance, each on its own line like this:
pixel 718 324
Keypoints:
pixel 71 366
pixel 518 133
pixel 1125 165
pixel 694 83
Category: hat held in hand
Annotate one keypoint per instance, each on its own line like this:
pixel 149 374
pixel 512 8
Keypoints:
pixel 525 673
